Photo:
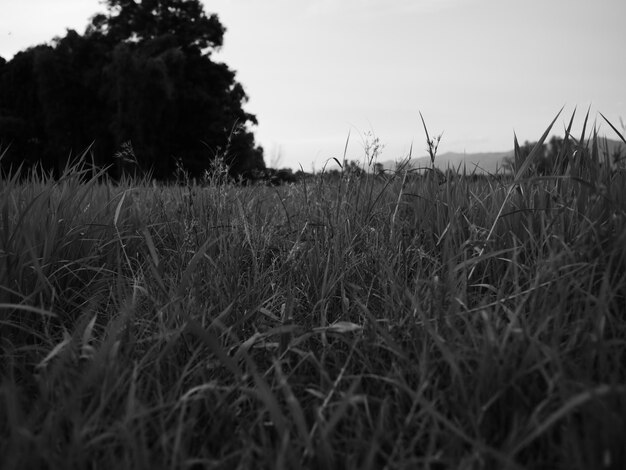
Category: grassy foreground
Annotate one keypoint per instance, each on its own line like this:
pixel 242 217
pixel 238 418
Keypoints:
pixel 354 322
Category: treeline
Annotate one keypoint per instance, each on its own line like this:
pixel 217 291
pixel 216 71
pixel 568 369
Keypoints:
pixel 138 89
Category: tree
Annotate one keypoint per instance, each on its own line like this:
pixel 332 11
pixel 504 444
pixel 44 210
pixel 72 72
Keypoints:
pixel 142 73
pixel 549 159
pixel 146 20
pixel 21 132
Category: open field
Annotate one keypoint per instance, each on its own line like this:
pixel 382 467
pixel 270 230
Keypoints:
pixel 355 322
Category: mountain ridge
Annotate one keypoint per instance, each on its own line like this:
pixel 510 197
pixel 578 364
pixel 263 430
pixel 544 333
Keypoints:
pixel 481 162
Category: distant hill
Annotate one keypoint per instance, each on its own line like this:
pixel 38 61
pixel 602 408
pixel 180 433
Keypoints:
pixel 480 162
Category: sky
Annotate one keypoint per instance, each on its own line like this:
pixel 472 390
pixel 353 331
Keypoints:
pixel 320 73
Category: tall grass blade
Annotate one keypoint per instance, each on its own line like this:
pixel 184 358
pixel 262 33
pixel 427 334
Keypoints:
pixel 118 209
pixel 518 177
pixel 28 308
pixel 295 408
pixel 614 128
pixel 584 130
pixel 531 156
pixel 189 270
pixel 430 150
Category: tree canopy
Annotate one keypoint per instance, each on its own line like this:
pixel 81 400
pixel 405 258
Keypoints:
pixel 141 77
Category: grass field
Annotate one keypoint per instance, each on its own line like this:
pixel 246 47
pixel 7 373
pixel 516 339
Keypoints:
pixel 397 321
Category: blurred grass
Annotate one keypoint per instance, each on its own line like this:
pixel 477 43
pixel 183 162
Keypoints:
pixel 401 320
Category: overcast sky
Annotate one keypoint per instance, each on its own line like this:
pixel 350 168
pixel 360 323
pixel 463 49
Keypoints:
pixel 316 70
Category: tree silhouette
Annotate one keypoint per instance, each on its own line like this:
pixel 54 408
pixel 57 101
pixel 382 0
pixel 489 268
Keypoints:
pixel 548 161
pixel 182 20
pixel 141 73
